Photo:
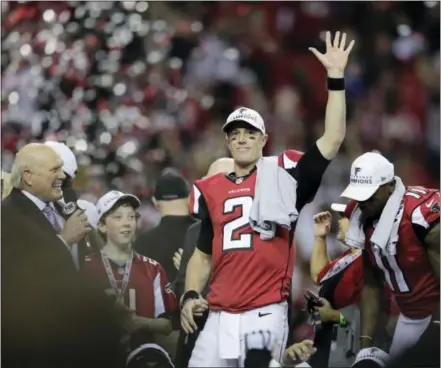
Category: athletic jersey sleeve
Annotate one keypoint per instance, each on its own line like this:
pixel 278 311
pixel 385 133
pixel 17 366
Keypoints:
pixel 426 214
pixel 165 299
pixel 307 169
pixel 325 270
pixel 200 210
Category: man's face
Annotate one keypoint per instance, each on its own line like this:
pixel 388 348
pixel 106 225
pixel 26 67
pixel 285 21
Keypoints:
pixel 373 207
pixel 45 177
pixel 245 143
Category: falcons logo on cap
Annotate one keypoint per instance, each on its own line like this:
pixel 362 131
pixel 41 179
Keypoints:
pixel 357 170
pixel 243 110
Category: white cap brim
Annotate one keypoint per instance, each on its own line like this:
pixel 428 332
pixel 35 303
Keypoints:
pixel 133 200
pixel 250 122
pixel 359 193
pixel 338 207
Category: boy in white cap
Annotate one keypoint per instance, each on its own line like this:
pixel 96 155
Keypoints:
pixel 397 228
pixel 138 283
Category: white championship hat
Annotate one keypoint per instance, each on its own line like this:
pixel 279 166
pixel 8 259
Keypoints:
pixel 247 115
pixel 108 200
pixel 70 165
pixel 368 173
pixel 375 355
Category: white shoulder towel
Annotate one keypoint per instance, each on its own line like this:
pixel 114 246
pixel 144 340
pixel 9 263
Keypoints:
pixel 385 236
pixel 275 198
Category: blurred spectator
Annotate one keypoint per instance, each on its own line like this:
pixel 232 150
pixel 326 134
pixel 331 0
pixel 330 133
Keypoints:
pixel 6 184
pixel 161 243
pixel 135 87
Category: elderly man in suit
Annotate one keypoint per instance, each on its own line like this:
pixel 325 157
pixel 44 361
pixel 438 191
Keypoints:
pixel 51 316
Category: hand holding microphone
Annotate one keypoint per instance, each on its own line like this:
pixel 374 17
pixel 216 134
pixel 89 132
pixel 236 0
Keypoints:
pixel 76 227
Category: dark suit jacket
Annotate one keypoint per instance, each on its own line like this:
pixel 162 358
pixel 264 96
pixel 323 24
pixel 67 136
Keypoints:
pixel 51 315
pixel 190 242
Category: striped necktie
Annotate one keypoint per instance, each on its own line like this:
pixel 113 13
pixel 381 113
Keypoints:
pixel 51 215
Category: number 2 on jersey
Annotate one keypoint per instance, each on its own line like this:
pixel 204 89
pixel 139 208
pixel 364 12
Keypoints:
pixel 243 241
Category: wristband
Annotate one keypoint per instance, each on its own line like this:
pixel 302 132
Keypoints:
pixel 365 337
pixel 343 322
pixel 336 84
pixel 189 294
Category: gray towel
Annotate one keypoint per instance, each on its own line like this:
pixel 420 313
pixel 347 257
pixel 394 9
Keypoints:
pixel 275 199
pixel 385 236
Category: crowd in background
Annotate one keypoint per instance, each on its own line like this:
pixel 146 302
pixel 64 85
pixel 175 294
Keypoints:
pixel 134 87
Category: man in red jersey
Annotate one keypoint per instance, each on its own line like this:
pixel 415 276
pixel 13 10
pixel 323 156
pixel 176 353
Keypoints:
pixel 250 278
pixel 340 283
pixel 409 262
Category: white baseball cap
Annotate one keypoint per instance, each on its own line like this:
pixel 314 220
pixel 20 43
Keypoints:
pixel 368 173
pixel 108 200
pixel 247 115
pixel 380 357
pixel 70 165
pixel 90 211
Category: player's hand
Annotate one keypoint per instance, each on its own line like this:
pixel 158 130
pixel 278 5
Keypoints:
pixel 327 313
pixel 121 308
pixel 125 317
pixel 192 308
pixel 336 56
pixel 177 258
pixel 300 351
pixel 75 228
pixel 322 224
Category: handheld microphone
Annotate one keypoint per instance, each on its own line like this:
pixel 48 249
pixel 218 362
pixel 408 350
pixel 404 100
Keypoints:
pixel 71 205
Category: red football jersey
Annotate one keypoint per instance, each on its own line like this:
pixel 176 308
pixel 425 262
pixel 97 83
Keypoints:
pixel 409 273
pixel 341 282
pixel 248 272
pixel 148 285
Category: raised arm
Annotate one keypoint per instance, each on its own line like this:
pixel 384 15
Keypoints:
pixel 334 60
pixel 319 257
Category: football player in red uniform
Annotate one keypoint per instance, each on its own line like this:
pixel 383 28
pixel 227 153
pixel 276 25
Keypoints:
pixel 408 260
pixel 250 278
pixel 139 283
pixel 340 283
pixel 340 280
